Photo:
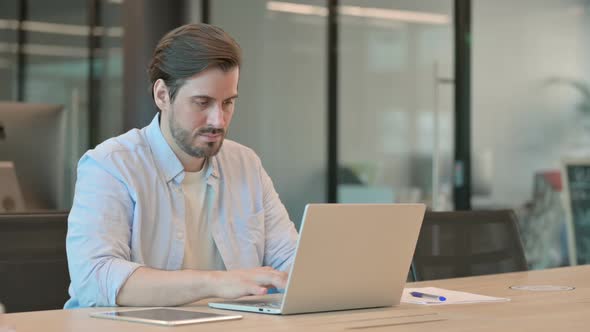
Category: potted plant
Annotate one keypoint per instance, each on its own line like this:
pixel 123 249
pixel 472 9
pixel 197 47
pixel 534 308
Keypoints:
pixel 578 142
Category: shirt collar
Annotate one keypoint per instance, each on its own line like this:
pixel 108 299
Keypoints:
pixel 165 158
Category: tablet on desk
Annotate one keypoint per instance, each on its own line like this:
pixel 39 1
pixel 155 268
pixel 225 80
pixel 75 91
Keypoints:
pixel 164 316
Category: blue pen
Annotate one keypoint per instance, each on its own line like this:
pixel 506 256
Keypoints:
pixel 428 296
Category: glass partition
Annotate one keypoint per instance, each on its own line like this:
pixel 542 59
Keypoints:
pixel 9 13
pixel 281 112
pixel 396 102
pixel 45 58
pixel 531 90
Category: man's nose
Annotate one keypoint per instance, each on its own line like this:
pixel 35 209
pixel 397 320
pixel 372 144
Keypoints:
pixel 215 117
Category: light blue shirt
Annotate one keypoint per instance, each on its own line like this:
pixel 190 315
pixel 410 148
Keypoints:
pixel 129 211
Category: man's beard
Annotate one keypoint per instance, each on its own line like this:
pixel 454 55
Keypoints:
pixel 184 139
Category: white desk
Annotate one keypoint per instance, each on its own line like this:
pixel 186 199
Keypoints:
pixel 528 311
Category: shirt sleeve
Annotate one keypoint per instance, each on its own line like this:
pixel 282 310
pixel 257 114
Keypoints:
pixel 281 235
pixel 99 232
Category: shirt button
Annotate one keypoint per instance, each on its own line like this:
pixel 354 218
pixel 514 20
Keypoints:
pixel 179 235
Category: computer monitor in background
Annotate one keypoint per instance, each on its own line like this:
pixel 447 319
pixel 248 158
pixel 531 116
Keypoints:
pixel 32 136
pixel 11 198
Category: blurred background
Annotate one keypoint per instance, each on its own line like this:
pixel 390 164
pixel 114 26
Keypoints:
pixel 460 104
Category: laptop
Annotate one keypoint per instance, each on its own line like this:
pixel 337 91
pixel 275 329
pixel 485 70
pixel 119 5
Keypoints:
pixel 348 256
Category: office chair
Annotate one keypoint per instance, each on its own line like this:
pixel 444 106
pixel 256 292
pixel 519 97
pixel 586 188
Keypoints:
pixel 33 263
pixel 467 243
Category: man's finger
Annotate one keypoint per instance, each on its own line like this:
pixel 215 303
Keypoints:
pixel 275 280
pixel 257 290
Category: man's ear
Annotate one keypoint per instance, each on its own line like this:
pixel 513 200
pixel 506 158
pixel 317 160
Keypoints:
pixel 161 95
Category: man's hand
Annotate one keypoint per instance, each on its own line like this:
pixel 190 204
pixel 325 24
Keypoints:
pixel 238 283
pixel 171 288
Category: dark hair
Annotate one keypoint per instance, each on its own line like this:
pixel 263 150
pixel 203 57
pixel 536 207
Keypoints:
pixel 189 50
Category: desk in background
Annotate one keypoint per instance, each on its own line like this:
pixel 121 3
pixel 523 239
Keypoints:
pixel 528 311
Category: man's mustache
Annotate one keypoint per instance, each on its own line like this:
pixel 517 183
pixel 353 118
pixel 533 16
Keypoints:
pixel 211 130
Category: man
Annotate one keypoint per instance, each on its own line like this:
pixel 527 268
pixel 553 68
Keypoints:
pixel 173 213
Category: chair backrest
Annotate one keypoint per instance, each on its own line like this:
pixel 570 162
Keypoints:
pixel 468 243
pixel 33 263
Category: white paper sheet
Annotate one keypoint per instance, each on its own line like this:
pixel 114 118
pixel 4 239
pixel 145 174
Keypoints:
pixel 452 297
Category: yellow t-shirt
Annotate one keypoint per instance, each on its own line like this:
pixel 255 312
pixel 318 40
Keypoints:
pixel 200 251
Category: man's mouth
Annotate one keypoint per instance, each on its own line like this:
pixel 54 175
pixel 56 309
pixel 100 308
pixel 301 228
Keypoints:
pixel 208 137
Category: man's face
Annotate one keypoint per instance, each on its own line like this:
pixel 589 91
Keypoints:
pixel 201 112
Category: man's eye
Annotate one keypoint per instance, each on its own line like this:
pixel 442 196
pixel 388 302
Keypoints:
pixel 229 102
pixel 201 102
